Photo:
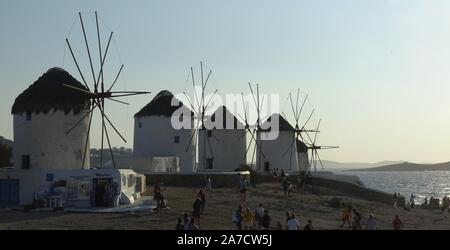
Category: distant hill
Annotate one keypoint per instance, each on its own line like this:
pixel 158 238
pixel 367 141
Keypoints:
pixel 5 152
pixel 408 166
pixel 6 142
pixel 333 165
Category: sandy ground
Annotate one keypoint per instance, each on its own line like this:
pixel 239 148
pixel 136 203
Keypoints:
pixel 221 203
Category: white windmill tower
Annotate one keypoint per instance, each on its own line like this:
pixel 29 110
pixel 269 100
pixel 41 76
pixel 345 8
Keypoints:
pixel 224 144
pixel 157 142
pixel 253 127
pixel 297 151
pixel 42 115
pixel 200 105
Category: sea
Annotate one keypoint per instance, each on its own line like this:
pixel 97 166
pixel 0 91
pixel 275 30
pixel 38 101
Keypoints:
pixel 422 183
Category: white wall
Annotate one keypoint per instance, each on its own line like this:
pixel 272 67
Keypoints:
pixel 304 161
pixel 34 181
pixel 156 137
pixel 228 151
pixel 44 138
pixel 273 151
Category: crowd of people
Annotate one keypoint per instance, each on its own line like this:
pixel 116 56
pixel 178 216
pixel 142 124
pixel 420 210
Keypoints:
pixel 259 218
pixel 432 203
pixel 354 220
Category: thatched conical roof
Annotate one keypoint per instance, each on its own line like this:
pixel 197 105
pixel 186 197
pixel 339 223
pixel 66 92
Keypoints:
pixel 223 113
pixel 283 125
pixel 47 93
pixel 301 147
pixel 161 105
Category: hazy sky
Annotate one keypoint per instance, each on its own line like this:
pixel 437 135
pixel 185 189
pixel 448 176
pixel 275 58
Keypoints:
pixel 377 71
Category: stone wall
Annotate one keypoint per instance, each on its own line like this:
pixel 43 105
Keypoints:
pixel 195 180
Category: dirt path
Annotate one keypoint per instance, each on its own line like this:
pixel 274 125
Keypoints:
pixel 221 203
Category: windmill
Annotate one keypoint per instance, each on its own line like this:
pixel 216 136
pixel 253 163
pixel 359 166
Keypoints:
pixel 200 111
pixel 99 92
pixel 253 129
pixel 314 147
pixel 297 131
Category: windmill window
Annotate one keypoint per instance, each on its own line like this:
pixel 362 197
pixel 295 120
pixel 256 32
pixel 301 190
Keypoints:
pixel 267 166
pixel 28 116
pixel 181 118
pixel 25 161
pixel 139 124
pixel 177 139
pixel 209 163
pixel 209 133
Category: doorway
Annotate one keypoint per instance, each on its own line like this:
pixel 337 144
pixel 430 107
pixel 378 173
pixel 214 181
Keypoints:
pixel 9 192
pixel 103 192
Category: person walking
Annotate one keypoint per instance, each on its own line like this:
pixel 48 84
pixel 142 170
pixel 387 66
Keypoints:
pixel 346 212
pixel 196 211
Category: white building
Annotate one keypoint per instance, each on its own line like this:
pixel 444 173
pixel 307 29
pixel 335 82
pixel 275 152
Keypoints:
pixel 276 153
pixel 155 137
pixel 71 188
pixel 43 114
pixel 222 146
pixel 48 161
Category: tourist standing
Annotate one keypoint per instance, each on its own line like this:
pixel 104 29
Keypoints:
pixel 259 213
pixel 186 220
pixel 180 225
pixel 445 205
pixel 397 223
pixel 395 199
pixel 346 212
pixel 425 202
pixel 249 219
pixel 265 220
pixel 208 184
pixel 411 201
pixel 371 223
pixel 356 225
pixel 192 225
pixel 285 184
pixel 288 216
pixel 196 211
pixel 292 223
pixel 309 226
pixel 237 218
pixel 243 188
pixel 202 195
